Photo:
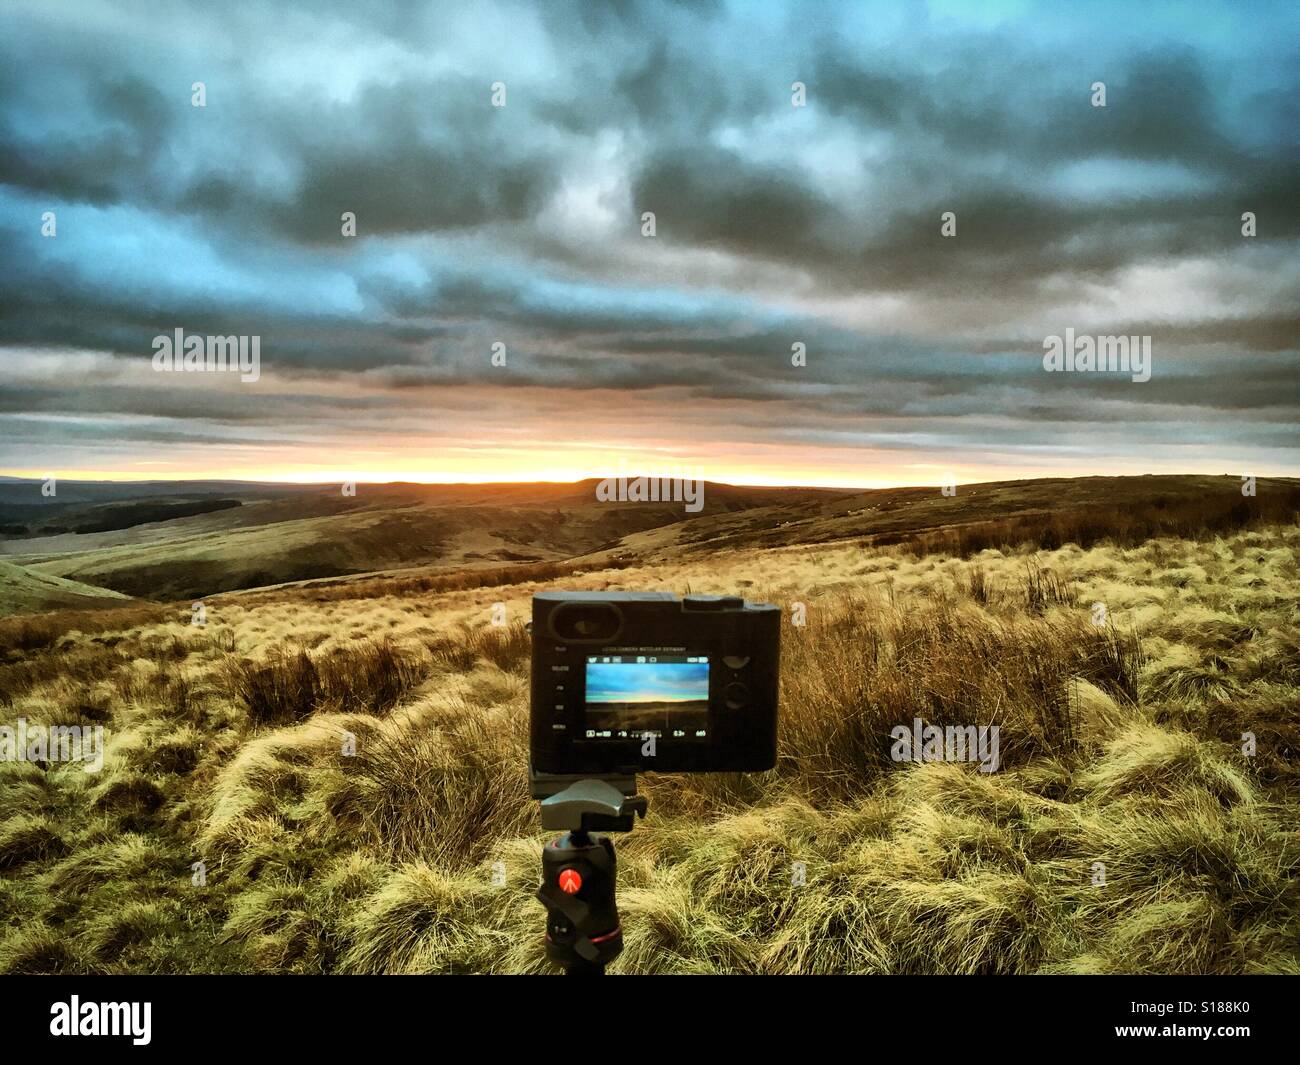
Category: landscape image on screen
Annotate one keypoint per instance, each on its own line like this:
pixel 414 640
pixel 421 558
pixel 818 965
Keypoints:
pixel 639 697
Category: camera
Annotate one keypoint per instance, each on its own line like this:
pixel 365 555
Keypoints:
pixel 629 682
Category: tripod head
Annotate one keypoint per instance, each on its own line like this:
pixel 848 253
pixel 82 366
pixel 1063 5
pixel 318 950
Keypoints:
pixel 579 869
pixel 593 805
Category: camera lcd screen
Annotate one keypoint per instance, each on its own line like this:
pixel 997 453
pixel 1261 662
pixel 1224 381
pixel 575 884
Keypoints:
pixel 634 695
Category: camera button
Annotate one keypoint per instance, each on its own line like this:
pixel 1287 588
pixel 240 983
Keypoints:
pixel 735 661
pixel 712 602
pixel 736 696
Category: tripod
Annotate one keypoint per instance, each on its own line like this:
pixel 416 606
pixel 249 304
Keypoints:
pixel 579 869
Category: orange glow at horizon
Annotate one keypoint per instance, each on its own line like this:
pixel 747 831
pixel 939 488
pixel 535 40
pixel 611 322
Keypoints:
pixel 507 475
pixel 411 458
pixel 834 470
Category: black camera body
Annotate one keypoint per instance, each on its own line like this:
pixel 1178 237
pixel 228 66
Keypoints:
pixel 629 682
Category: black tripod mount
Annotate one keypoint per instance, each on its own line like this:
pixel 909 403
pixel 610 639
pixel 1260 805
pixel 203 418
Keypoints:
pixel 579 868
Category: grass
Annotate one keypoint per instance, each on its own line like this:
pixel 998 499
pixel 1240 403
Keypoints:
pixel 348 765
pixel 372 676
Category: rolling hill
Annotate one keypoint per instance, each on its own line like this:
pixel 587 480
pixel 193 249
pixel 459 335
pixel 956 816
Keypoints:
pixel 228 537
pixel 319 533
pixel 26 591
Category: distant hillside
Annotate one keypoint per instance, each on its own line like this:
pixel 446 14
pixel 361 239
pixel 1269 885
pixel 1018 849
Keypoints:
pixel 323 534
pixel 277 535
pixel 25 591
pixel 109 517
pixel 1046 510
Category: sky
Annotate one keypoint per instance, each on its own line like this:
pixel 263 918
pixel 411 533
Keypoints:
pixel 676 682
pixel 781 224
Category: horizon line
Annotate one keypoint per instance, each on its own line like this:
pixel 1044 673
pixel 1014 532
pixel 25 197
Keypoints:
pixel 793 486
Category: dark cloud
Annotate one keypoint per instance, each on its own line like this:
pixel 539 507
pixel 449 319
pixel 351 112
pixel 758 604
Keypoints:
pixel 108 158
